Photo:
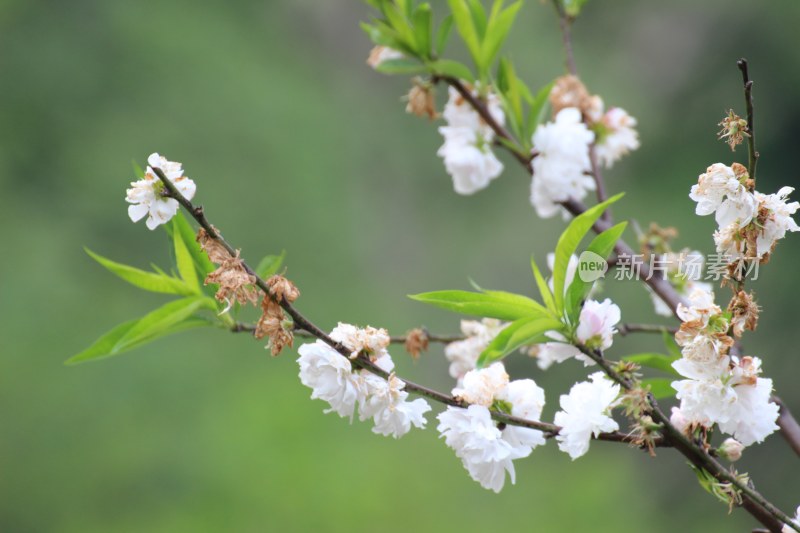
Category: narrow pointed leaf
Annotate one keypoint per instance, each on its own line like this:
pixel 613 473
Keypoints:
pixel 518 333
pixel 568 244
pixel 187 233
pixel 400 65
pixel 499 26
pixel 443 34
pixel 162 319
pixel 602 245
pixel 479 304
pixel 423 23
pixel 544 289
pixel 104 346
pixel 270 265
pixel 466 27
pixel 448 67
pixel 149 281
pixel 185 262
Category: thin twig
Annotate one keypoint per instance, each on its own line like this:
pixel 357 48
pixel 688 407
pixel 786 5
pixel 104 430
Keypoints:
pixel 363 362
pixel 756 504
pixel 241 327
pixel 752 154
pixel 627 329
pixel 564 21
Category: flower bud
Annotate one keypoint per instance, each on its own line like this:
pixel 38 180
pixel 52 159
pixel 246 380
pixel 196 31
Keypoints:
pixel 731 450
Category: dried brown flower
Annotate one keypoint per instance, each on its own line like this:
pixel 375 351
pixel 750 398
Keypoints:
pixel 744 313
pixel 282 289
pixel 235 283
pixel 215 251
pixel 421 100
pixel 569 91
pixel 416 342
pixel 734 129
pixel 273 324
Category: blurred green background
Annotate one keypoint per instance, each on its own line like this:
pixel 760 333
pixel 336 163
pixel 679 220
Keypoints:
pixel 295 143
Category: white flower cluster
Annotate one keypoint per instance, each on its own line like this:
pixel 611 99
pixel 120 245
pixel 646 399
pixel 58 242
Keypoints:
pixel 615 132
pixel 585 414
pixel 463 355
pixel 466 151
pixel 485 450
pixel 719 389
pixel 750 223
pixel 684 282
pixel 332 379
pixel 147 194
pixel 595 330
pixel 562 166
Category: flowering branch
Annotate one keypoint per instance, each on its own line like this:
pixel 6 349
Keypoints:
pixel 752 154
pixel 627 329
pixel 758 506
pixel 361 361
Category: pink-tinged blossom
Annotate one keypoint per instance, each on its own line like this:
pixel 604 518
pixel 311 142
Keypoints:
pixel 618 136
pixel 719 190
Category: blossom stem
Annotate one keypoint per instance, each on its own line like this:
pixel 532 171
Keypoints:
pixel 627 329
pixel 565 22
pixel 752 154
pixel 756 504
pixel 302 323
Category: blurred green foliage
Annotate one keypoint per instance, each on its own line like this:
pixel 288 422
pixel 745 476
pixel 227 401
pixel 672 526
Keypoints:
pixel 294 143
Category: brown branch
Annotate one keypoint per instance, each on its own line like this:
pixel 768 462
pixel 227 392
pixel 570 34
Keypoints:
pixel 627 329
pixel 790 429
pixel 752 154
pixel 241 327
pixel 756 504
pixel 304 324
pixel 565 22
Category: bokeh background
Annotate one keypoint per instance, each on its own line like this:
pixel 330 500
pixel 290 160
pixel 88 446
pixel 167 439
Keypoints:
pixel 295 144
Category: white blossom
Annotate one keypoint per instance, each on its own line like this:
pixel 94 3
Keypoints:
pixel 466 151
pixel 684 271
pixel 147 194
pixel 584 412
pixel 330 376
pixel 778 219
pixel 369 340
pixel 480 386
pixel 618 136
pixel 332 379
pixel 718 190
pixel 731 449
pixel 486 451
pixel 561 163
pixel 385 402
pixel 463 354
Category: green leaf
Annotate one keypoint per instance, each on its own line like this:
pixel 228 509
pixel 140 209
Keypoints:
pixel 201 260
pixel 448 67
pixel 270 265
pixel 660 387
pixel 466 27
pixel 656 361
pixel 538 109
pixel 443 33
pixel 479 304
pixel 602 245
pixel 156 323
pixel 478 14
pixel 499 25
pixel 148 281
pixel 544 289
pixel 105 345
pixel 398 20
pixel 517 299
pixel 518 333
pixel 568 243
pixel 185 262
pixel 423 23
pixel 400 65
